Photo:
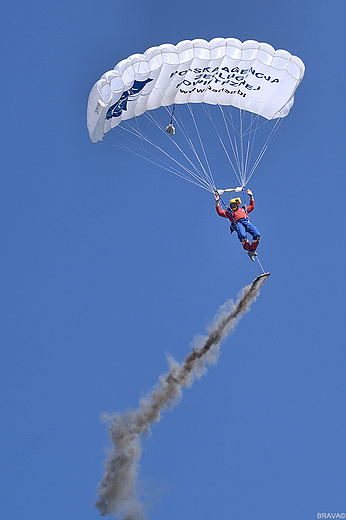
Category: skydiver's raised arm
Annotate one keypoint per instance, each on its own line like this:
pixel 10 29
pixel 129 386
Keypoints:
pixel 220 211
pixel 251 206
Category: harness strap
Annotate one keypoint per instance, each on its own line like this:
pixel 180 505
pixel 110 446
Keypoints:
pixel 233 223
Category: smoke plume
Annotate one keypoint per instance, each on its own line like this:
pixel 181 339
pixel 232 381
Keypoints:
pixel 117 490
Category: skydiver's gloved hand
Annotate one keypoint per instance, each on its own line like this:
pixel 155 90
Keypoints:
pixel 217 198
pixel 249 192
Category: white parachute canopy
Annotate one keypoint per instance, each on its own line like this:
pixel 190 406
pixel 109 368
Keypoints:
pixel 251 76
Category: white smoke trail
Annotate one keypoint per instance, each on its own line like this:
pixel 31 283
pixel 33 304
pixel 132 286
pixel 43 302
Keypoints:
pixel 117 490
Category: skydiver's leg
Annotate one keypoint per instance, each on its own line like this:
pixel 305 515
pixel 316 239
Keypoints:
pixel 250 228
pixel 242 236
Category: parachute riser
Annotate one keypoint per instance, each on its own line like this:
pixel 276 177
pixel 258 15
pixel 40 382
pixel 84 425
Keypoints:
pixel 244 195
pixel 226 208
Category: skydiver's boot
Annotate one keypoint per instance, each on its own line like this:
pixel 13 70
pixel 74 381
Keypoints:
pixel 252 255
pixel 245 244
pixel 254 244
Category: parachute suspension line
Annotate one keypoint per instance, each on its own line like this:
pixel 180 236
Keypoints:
pixel 243 154
pixel 250 143
pixel 238 133
pixel 233 144
pixel 248 150
pixel 128 148
pixel 170 169
pixel 202 178
pixel 236 140
pixel 115 142
pixel 255 119
pixel 137 133
pixel 185 133
pixel 245 147
pixel 205 178
pixel 201 144
pixel 250 133
pixel 206 108
pixel 265 146
pixel 198 175
pixel 241 118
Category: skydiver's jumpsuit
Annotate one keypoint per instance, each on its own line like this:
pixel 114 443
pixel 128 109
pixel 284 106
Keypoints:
pixel 242 225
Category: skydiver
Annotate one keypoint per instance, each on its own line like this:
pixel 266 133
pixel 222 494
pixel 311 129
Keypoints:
pixel 238 216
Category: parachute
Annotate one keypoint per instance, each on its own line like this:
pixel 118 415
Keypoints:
pixel 223 87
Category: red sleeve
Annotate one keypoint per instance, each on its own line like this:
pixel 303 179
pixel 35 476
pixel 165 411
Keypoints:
pixel 221 212
pixel 251 206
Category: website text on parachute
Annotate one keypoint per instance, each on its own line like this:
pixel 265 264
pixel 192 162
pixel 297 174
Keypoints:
pixel 174 105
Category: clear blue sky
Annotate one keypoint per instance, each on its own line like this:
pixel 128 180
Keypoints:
pixel 108 264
